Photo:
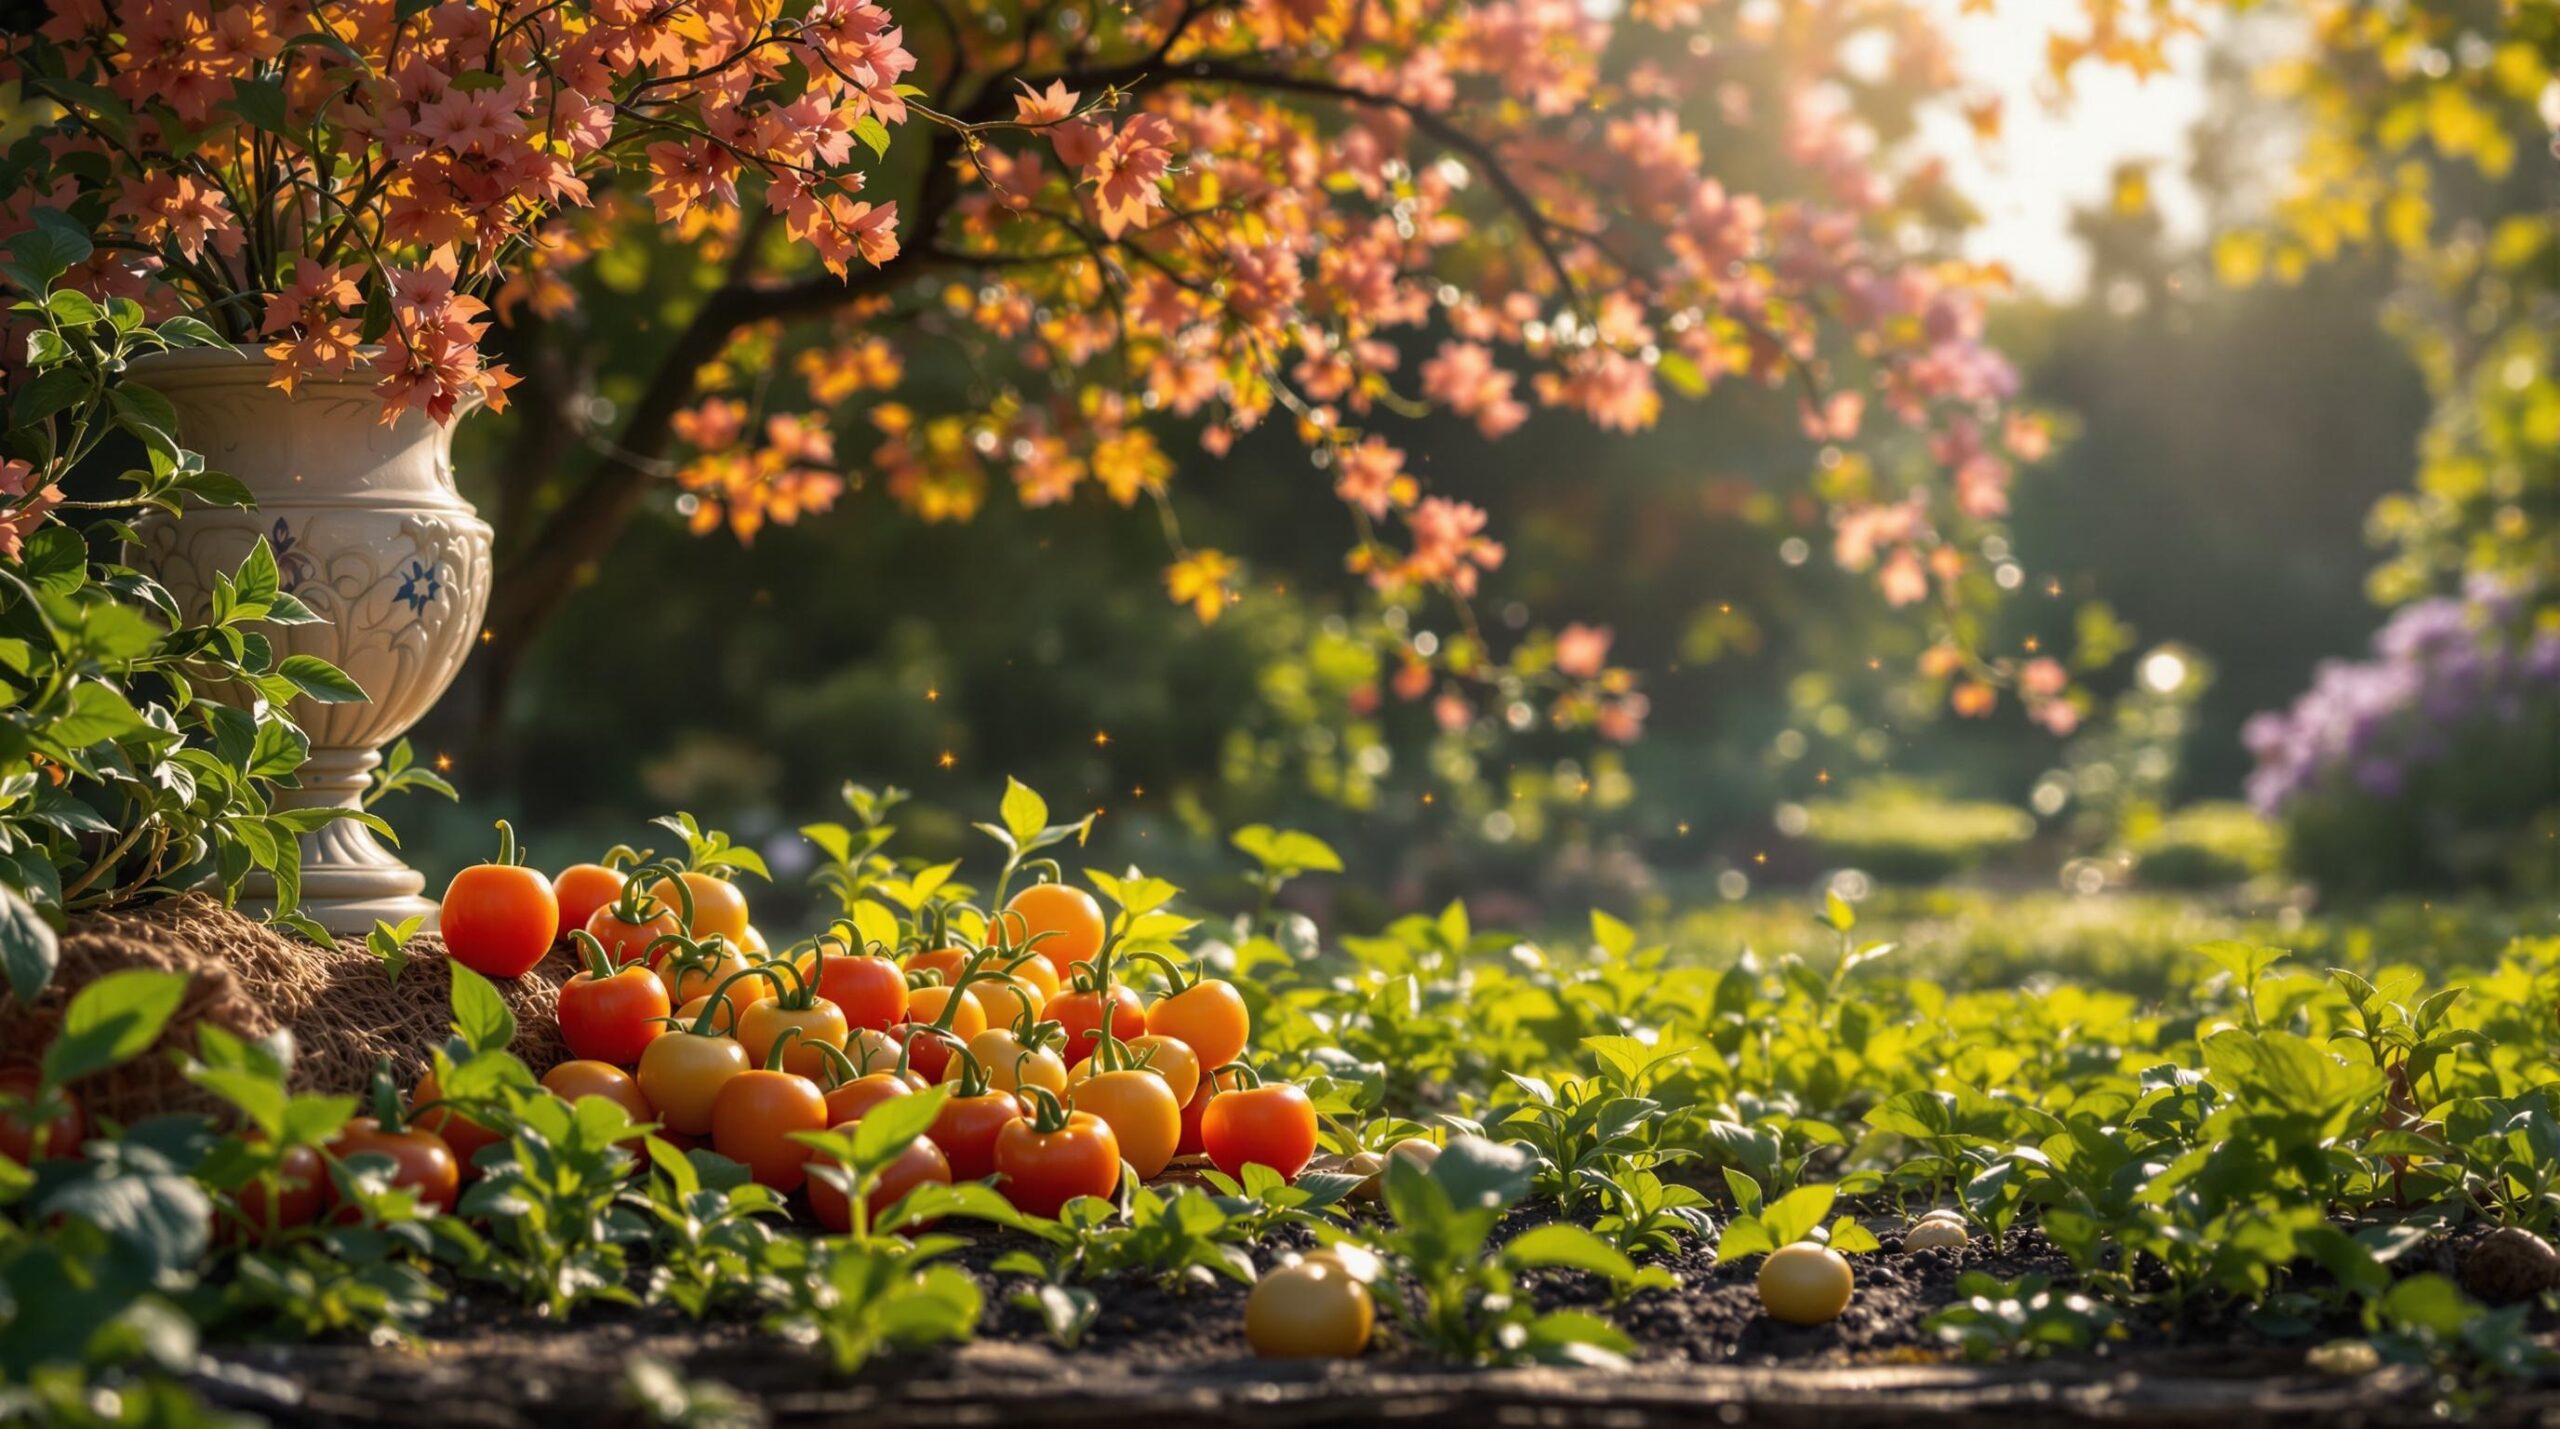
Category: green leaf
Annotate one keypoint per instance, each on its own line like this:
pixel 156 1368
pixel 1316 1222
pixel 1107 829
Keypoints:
pixel 1025 813
pixel 1569 1247
pixel 56 558
pixel 391 944
pixel 113 1021
pixel 262 103
pixel 1478 1174
pixel 258 581
pixel 72 308
pixel 56 245
pixel 1793 1216
pixel 480 1015
pixel 185 331
pixel 1286 850
pixel 323 682
pixel 98 712
pixel 1851 1237
pixel 28 948
pixel 888 1128
pixel 1743 1236
pixel 52 391
pixel 872 132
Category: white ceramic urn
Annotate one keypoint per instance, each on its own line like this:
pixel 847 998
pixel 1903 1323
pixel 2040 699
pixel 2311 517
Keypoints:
pixel 369 532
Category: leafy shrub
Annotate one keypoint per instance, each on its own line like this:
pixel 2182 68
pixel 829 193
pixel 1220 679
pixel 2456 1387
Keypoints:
pixel 2435 763
pixel 2207 845
pixel 117 781
pixel 1908 833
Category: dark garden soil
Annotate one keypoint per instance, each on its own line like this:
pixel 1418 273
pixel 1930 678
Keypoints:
pixel 1176 1355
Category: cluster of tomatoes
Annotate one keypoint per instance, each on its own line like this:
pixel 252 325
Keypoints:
pixel 1059 1072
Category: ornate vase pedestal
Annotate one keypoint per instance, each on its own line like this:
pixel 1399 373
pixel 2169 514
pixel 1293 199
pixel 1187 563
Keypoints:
pixel 369 531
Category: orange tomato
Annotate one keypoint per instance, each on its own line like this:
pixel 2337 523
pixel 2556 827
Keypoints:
pixel 1010 1001
pixel 690 978
pixel 1060 923
pixel 753 1116
pixel 582 1078
pixel 627 940
pixel 1272 1125
pixel 1210 1016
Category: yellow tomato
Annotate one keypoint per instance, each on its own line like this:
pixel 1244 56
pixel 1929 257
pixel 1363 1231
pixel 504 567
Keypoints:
pixel 1009 1065
pixel 763 1023
pixel 925 1005
pixel 1038 972
pixel 1805 1284
pixel 1008 999
pixel 1140 1110
pixel 1167 1057
pixel 1315 1309
pixel 718 906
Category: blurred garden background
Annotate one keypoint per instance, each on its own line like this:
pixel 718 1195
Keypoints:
pixel 2292 545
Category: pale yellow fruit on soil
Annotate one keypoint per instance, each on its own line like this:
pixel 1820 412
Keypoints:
pixel 1805 1284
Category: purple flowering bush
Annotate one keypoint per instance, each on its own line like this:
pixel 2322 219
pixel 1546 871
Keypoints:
pixel 2435 762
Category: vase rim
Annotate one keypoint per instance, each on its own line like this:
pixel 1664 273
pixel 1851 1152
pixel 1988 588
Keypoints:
pixel 232 364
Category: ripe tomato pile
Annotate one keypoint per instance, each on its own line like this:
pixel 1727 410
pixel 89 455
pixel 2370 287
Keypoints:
pixel 1063 1076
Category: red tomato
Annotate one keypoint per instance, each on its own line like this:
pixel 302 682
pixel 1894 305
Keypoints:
pixel 846 1103
pixel 1046 1163
pixel 1080 1013
pixel 498 919
pixel 1270 1125
pixel 419 1161
pixel 967 1129
pixel 944 962
pixel 581 889
pixel 1198 1106
pixel 62 1135
pixel 287 1197
pixel 921 1162
pixel 1060 923
pixel 871 991
pixel 460 1134
pixel 627 940
pixel 610 1014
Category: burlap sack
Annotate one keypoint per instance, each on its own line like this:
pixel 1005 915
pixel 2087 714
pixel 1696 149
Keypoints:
pixel 344 1013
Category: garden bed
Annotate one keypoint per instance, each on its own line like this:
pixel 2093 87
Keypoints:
pixel 1159 1355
